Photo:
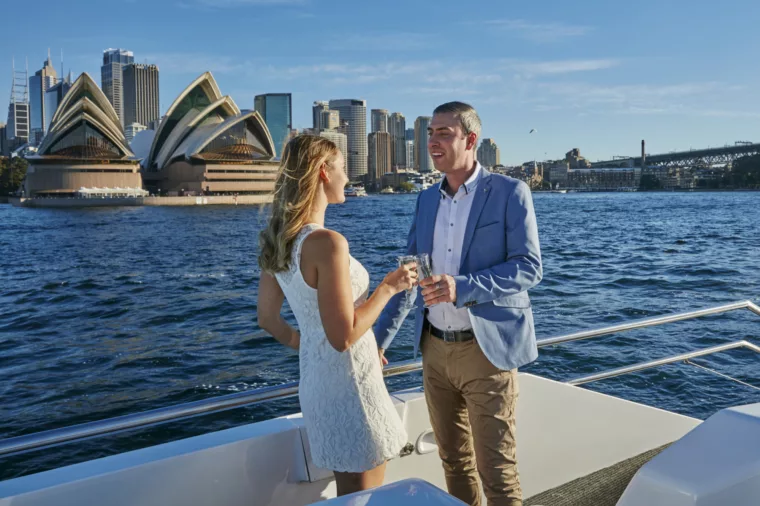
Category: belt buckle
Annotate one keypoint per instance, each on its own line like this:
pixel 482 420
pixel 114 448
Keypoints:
pixel 449 336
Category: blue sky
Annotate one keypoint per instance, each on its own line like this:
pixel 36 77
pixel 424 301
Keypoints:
pixel 596 75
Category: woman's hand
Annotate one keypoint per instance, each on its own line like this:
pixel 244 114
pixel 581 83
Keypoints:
pixel 403 278
pixel 383 360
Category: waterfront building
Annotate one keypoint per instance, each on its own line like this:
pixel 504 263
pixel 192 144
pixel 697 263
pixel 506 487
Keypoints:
pixel 353 117
pixel 397 129
pixel 410 154
pixel 133 129
pixel 316 113
pixel 205 144
pixel 379 120
pixel 140 89
pixel 84 147
pixel 422 160
pixel 488 153
pixel 277 111
pixel 340 140
pixel 53 97
pixel 111 77
pixel 39 84
pixel 380 157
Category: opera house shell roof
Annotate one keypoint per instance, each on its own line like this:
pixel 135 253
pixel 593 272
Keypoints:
pixel 84 147
pixel 204 144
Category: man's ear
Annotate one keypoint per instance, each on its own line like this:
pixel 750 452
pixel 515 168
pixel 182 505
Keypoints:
pixel 472 140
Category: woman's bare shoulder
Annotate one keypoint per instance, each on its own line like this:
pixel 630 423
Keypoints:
pixel 324 243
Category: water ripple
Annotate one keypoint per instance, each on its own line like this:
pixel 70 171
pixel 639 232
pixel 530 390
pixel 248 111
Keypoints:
pixel 131 309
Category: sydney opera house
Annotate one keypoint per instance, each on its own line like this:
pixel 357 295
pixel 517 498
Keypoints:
pixel 85 147
pixel 203 145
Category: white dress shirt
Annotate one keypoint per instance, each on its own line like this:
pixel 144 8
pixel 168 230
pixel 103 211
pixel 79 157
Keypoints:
pixel 450 224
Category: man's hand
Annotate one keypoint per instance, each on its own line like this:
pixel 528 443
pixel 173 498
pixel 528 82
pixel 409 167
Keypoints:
pixel 438 288
pixel 383 360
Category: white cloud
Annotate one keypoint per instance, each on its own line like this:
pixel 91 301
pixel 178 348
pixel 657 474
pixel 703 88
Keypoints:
pixel 226 4
pixel 533 69
pixel 376 41
pixel 538 32
pixel 684 99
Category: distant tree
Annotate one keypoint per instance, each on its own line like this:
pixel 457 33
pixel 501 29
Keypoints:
pixel 649 182
pixel 12 174
pixel 745 172
pixel 406 186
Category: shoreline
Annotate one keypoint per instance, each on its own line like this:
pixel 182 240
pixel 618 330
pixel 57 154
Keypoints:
pixel 73 203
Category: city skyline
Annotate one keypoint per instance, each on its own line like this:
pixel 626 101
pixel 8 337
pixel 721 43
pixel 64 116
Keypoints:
pixel 578 75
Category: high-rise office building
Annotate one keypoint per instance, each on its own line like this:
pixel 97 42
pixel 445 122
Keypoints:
pixel 329 120
pixel 340 140
pixel 53 97
pixel 276 110
pixel 316 112
pixel 3 142
pixel 410 154
pixel 410 134
pixel 39 83
pixel 397 129
pixel 422 160
pixel 17 127
pixel 354 114
pixel 111 77
pixel 379 120
pixel 488 153
pixel 140 85
pixel 379 145
pixel 133 129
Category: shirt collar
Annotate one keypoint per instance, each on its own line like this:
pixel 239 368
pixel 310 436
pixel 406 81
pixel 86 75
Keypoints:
pixel 468 186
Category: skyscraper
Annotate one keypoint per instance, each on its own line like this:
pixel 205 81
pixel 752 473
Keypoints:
pixel 409 154
pixel 379 157
pixel 53 97
pixel 422 160
pixel 379 120
pixel 277 111
pixel 397 129
pixel 329 120
pixel 2 140
pixel 410 134
pixel 17 129
pixel 133 129
pixel 111 78
pixel 340 140
pixel 140 83
pixel 39 83
pixel 316 112
pixel 354 113
pixel 488 153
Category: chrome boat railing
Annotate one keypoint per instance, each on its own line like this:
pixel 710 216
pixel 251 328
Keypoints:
pixel 46 439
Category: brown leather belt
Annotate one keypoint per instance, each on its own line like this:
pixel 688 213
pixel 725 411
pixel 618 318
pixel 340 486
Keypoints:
pixel 449 336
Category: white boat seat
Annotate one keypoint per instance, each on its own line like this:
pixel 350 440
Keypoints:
pixel 716 464
pixel 411 492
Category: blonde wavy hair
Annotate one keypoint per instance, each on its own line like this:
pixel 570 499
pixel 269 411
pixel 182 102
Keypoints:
pixel 294 193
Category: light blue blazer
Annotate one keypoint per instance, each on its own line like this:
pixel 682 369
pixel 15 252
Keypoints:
pixel 501 260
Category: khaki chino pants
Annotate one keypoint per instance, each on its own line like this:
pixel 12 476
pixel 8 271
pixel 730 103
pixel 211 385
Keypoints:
pixel 472 411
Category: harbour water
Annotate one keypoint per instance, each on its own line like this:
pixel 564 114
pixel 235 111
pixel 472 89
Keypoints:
pixel 110 311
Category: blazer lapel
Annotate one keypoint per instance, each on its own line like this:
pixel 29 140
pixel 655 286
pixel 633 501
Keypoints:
pixel 481 196
pixel 431 199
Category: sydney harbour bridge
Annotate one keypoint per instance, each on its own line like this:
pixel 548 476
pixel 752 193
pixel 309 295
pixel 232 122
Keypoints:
pixel 709 157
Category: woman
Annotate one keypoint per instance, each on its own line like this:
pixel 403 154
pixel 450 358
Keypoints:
pixel 352 425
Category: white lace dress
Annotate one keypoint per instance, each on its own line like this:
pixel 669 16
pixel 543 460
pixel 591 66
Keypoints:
pixel 350 419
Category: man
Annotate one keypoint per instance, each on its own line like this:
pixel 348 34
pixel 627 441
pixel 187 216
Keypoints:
pixel 474 322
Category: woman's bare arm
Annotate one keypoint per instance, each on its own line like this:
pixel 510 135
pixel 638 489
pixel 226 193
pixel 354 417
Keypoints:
pixel 344 324
pixel 268 309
